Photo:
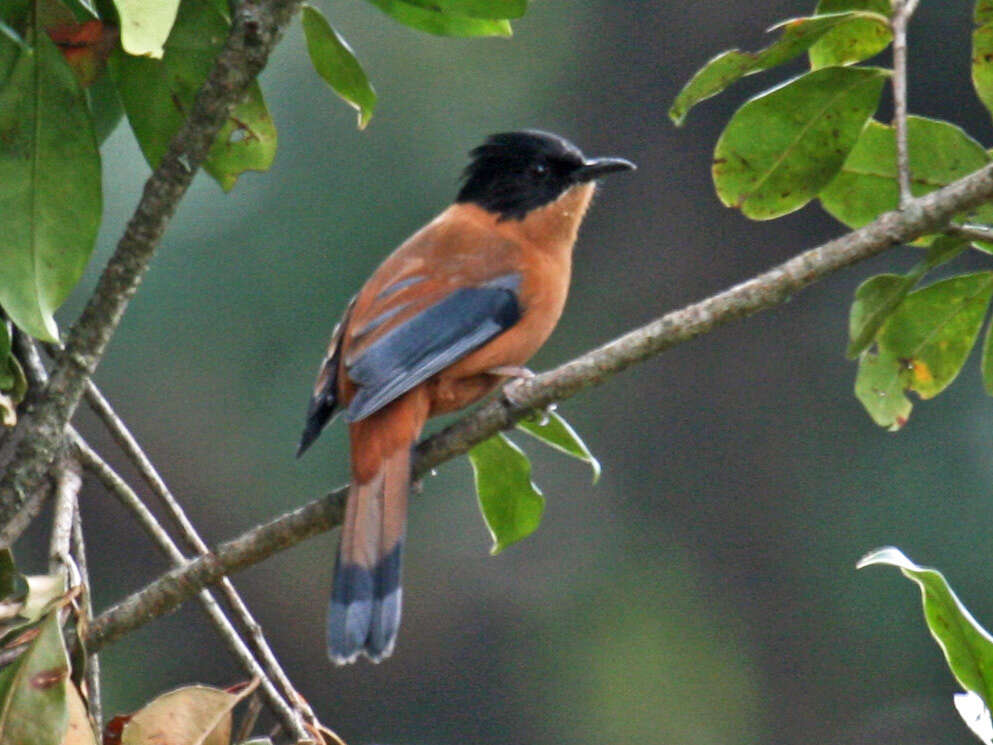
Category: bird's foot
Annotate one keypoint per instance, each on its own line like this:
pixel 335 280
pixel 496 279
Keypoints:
pixel 510 390
pixel 511 371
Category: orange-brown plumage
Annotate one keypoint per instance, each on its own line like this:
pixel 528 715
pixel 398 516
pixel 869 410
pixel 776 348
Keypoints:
pixel 473 293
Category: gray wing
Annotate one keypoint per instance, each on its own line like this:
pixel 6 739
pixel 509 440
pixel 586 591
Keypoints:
pixel 431 341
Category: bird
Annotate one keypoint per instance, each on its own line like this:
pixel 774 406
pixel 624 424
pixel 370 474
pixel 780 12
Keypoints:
pixel 449 316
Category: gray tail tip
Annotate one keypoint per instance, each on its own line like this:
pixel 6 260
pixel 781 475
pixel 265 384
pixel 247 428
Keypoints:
pixel 365 609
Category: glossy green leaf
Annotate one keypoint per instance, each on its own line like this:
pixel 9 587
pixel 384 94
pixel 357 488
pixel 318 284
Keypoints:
pixel 50 199
pixel 334 61
pixel 866 187
pixel 105 107
pixel 511 504
pixel 879 296
pixel 556 432
pixel 934 329
pixel 158 95
pixel 495 9
pixel 967 646
pixel 880 390
pixel 145 25
pixel 435 21
pixel 33 690
pixel 797 37
pixel 854 41
pixel 785 145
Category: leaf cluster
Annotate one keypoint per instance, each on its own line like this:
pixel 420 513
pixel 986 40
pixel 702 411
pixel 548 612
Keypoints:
pixel 71 70
pixel 814 137
pixel 43 694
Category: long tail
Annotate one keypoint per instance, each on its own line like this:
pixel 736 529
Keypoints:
pixel 366 597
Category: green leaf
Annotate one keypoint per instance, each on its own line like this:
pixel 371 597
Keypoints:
pixel 982 64
pixel 934 329
pixel 511 504
pixel 435 21
pixel 785 145
pixel 33 690
pixel 875 300
pixel 798 35
pixel 13 36
pixel 922 346
pixel 158 95
pixel 105 107
pixel 967 647
pixel 145 25
pixel 556 432
pixel 50 200
pixel 879 296
pixel 986 365
pixel 983 12
pixel 880 390
pixel 13 586
pixel 854 41
pixel 867 187
pixel 495 9
pixel 335 62
pixel 246 142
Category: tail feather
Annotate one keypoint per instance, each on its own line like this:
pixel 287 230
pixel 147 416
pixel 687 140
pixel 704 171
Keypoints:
pixel 366 599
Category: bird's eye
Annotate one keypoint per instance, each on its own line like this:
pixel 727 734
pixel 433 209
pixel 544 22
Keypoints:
pixel 539 170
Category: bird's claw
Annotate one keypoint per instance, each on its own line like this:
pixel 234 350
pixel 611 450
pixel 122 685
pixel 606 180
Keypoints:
pixel 510 392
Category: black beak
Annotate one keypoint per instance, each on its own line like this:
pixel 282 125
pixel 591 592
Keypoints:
pixel 597 167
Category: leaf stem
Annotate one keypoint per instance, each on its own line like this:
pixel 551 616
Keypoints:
pixel 902 12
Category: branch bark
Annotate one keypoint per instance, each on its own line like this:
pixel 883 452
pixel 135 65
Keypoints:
pixel 257 26
pixel 928 214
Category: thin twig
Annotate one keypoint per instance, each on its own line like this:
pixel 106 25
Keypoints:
pixel 93 698
pixel 928 214
pixel 243 617
pixel 971 232
pixel 902 11
pixel 36 374
pixel 120 489
pixel 68 480
pixel 256 27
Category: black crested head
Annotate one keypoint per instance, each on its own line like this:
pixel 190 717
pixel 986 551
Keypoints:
pixel 513 173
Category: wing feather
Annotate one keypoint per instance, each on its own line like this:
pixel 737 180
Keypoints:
pixel 430 341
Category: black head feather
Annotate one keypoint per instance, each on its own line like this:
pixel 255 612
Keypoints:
pixel 513 173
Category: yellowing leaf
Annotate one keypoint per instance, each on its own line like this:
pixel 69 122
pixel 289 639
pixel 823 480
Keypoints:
pixel 194 715
pixel 145 25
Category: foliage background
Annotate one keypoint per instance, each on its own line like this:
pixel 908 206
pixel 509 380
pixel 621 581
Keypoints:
pixel 704 591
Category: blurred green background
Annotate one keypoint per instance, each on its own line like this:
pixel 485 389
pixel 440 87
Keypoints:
pixel 704 591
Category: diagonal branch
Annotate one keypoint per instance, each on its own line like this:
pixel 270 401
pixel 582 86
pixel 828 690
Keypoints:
pixel 927 214
pixel 257 26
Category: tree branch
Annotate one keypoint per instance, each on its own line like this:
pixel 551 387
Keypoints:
pixel 927 214
pixel 229 635
pixel 257 26
pixel 249 627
